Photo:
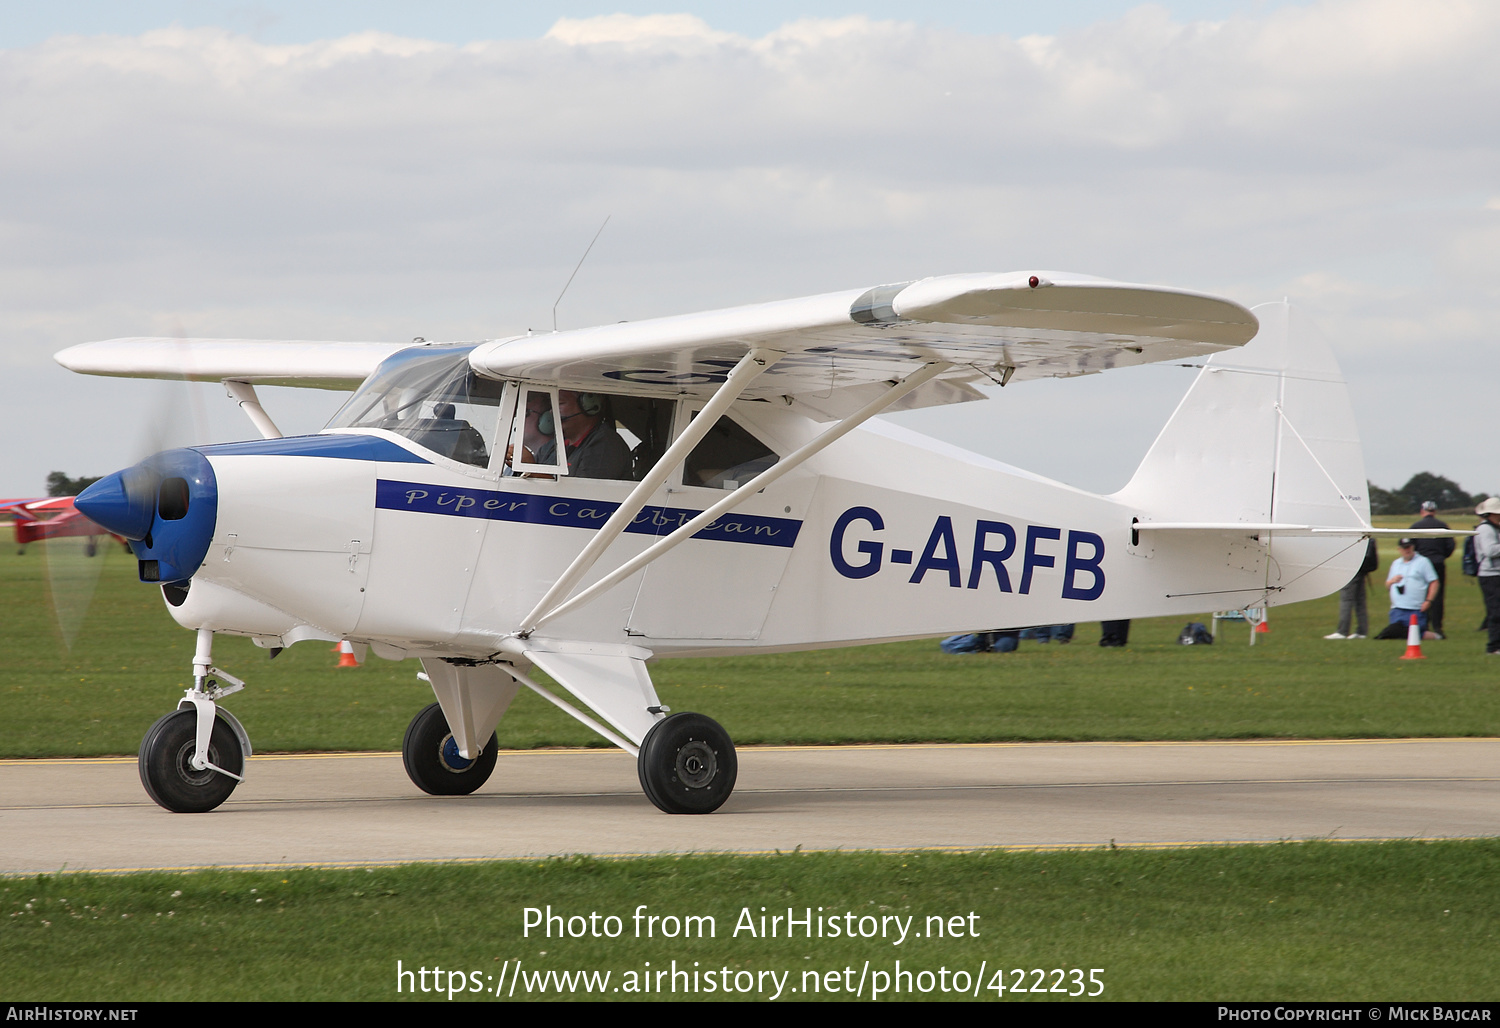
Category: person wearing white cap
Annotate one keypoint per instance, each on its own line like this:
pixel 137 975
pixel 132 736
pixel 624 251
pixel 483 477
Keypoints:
pixel 1437 550
pixel 1487 552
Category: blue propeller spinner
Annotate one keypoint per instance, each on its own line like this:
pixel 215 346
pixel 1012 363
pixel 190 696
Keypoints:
pixel 166 506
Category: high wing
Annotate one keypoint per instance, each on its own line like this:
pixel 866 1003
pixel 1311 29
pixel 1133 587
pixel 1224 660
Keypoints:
pixel 843 348
pixel 318 365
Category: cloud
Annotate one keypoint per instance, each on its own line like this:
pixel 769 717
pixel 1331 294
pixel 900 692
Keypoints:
pixel 652 30
pixel 373 186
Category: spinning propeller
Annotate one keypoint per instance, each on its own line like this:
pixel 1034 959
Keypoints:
pixel 74 563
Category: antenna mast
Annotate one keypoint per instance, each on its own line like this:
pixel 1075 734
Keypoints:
pixel 575 270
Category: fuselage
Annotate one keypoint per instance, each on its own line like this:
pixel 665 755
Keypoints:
pixel 887 535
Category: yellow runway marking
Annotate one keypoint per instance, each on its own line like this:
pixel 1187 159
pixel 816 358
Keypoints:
pixel 1066 847
pixel 573 751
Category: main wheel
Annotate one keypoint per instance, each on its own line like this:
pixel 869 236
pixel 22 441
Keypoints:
pixel 687 764
pixel 167 773
pixel 433 761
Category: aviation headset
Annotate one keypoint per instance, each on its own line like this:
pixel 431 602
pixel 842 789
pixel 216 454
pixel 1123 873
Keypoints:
pixel 589 404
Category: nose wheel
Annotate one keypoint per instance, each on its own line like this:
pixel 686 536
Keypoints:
pixel 432 759
pixel 687 764
pixel 166 765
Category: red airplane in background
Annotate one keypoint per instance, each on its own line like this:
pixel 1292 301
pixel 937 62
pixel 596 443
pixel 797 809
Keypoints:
pixel 52 517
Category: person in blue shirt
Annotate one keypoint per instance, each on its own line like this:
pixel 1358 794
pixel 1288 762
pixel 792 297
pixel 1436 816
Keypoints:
pixel 1413 583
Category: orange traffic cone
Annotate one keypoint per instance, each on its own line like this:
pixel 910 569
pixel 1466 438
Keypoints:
pixel 346 655
pixel 1413 642
pixel 1265 624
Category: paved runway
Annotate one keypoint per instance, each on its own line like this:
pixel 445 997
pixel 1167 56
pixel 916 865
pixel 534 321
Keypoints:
pixel 360 808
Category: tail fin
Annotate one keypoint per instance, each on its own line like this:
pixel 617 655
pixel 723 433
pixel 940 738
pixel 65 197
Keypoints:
pixel 1265 435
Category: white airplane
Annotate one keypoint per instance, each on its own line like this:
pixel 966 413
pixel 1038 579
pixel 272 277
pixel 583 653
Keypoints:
pixel 722 490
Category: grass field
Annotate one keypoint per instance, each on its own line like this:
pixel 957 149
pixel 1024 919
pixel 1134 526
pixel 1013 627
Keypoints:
pixel 130 660
pixel 1295 921
pixel 1311 921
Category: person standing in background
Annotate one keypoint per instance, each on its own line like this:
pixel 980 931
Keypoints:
pixel 1487 552
pixel 1352 600
pixel 1436 551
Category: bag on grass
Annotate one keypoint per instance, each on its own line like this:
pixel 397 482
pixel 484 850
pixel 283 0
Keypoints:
pixel 1395 630
pixel 975 643
pixel 1194 633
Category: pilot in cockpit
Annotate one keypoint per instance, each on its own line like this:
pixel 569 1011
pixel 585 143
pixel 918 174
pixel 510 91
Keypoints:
pixel 594 448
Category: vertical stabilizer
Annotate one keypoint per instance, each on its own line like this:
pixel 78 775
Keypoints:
pixel 1265 435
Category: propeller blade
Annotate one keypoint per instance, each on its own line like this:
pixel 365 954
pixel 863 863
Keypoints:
pixel 73 567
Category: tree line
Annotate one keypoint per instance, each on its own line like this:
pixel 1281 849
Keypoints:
pixel 1446 493
pixel 59 484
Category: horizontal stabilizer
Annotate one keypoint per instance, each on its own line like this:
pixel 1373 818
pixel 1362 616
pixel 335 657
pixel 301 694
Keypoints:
pixel 1252 528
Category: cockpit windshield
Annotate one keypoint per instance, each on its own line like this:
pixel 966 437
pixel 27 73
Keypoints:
pixel 430 395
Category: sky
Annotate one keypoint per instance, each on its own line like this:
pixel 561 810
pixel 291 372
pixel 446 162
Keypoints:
pixel 380 171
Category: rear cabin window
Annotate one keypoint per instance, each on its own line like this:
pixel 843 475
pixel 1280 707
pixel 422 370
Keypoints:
pixel 727 457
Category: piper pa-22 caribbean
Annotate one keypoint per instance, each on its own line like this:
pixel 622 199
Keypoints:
pixel 586 501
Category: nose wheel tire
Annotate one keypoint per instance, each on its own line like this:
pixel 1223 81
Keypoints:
pixel 687 764
pixel 166 768
pixel 432 759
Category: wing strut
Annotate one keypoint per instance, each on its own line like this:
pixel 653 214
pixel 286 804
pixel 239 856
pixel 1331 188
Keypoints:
pixel 243 393
pixel 745 372
pixel 924 374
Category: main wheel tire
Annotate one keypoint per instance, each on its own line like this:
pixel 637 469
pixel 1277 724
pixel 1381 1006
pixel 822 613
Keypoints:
pixel 432 759
pixel 165 766
pixel 687 764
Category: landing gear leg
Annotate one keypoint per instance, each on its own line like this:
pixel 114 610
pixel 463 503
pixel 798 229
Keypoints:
pixel 687 764
pixel 191 759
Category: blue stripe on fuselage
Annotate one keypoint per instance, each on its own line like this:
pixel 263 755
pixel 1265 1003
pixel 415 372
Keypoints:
pixel 349 447
pixel 573 512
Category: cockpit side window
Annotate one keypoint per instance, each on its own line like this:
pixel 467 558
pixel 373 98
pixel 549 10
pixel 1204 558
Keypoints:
pixel 602 435
pixel 431 396
pixel 534 435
